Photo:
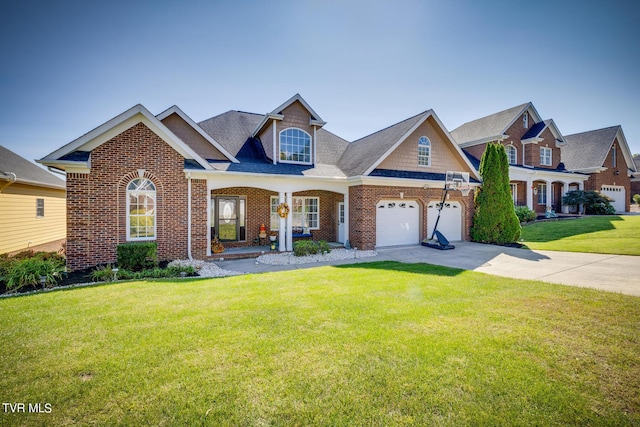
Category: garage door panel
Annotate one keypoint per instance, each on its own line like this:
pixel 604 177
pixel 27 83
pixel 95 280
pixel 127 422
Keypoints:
pixel 450 224
pixel 397 222
pixel 618 194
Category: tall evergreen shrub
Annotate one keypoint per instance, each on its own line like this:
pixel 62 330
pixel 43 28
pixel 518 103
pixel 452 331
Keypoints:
pixel 495 220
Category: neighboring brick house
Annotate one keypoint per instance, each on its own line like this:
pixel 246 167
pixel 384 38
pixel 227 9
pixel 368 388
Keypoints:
pixel 604 155
pixel 32 205
pixel 537 175
pixel 140 177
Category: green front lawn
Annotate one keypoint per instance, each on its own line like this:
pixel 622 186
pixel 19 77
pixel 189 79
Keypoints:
pixel 608 234
pixel 379 344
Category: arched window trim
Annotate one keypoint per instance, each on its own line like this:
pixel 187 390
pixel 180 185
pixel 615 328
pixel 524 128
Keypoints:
pixel 281 152
pixel 424 151
pixel 142 187
pixel 512 149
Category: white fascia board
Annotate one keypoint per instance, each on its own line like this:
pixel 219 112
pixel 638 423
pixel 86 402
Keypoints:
pixel 628 157
pixel 117 125
pixel 596 169
pixel 277 183
pixel 413 128
pixel 398 182
pixel 40 184
pixel 318 123
pixel 517 173
pixel 264 121
pixel 531 140
pixel 67 165
pixel 175 109
pixel 487 140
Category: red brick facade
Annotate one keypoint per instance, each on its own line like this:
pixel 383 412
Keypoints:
pixel 362 212
pixel 614 175
pixel 96 210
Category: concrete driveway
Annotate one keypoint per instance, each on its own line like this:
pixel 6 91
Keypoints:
pixel 614 273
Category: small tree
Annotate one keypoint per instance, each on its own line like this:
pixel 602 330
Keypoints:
pixel 495 220
pixel 594 203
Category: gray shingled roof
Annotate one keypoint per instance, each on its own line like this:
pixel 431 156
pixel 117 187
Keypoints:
pixel 231 129
pixel 487 127
pixel 588 149
pixel 361 154
pixel 25 171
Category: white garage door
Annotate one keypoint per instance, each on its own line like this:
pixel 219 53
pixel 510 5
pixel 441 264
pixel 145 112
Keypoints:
pixel 617 193
pixel 397 222
pixel 450 223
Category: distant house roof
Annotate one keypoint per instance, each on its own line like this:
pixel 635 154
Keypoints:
pixel 26 172
pixel 588 150
pixel 488 127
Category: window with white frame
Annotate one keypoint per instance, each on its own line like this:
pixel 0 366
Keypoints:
pixel 525 120
pixel 39 208
pixel 512 154
pixel 545 156
pixel 514 193
pixel 614 157
pixel 141 209
pixel 305 212
pixel 295 146
pixel 542 193
pixel 424 151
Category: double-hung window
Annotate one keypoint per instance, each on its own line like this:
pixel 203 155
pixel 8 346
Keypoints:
pixel 39 208
pixel 545 156
pixel 512 154
pixel 305 213
pixel 295 146
pixel 542 194
pixel 141 210
pixel 424 151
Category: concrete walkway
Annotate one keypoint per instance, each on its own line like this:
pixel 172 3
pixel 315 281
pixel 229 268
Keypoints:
pixel 614 273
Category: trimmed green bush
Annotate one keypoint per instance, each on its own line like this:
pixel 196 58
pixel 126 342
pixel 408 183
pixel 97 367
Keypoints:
pixel 495 220
pixel 525 214
pixel 593 202
pixel 137 256
pixel 310 247
pixel 29 271
pixel 636 199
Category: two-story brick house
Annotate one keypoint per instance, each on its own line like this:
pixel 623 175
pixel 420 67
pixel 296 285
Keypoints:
pixel 603 155
pixel 165 178
pixel 537 175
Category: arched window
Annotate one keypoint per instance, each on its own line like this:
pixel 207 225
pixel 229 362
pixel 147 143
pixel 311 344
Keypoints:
pixel 512 154
pixel 141 210
pixel 424 151
pixel 295 146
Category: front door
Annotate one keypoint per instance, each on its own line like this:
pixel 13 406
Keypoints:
pixel 227 218
pixel 341 222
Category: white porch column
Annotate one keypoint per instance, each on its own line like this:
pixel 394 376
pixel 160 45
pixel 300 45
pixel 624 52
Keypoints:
pixel 290 222
pixel 549 194
pixel 530 193
pixel 565 190
pixel 346 216
pixel 282 245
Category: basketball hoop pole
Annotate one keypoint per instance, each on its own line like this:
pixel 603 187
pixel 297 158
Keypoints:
pixel 444 197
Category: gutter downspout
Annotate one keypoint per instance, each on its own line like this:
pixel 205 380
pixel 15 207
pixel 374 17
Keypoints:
pixel 12 178
pixel 189 217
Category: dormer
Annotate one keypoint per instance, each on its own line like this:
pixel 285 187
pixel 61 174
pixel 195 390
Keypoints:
pixel 289 133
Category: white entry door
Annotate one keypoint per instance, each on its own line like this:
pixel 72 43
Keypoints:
pixel 397 222
pixel 450 224
pixel 341 222
pixel 617 193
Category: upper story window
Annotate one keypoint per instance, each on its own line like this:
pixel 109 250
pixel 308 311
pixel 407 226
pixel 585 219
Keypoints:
pixel 545 156
pixel 141 210
pixel 525 120
pixel 512 154
pixel 295 146
pixel 424 151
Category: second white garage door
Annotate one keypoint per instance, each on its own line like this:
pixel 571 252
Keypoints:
pixel 450 224
pixel 618 194
pixel 397 222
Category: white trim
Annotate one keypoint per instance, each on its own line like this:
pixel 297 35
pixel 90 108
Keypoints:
pixel 426 115
pixel 189 217
pixel 545 156
pixel 110 129
pixel 175 109
pixel 274 134
pixel 428 145
pixel 266 118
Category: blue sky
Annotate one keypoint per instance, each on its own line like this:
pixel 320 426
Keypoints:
pixel 69 66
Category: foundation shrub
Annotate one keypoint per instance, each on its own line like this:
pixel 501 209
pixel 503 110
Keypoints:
pixel 137 256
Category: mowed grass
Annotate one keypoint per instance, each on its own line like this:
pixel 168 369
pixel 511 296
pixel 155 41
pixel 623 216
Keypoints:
pixel 378 344
pixel 596 234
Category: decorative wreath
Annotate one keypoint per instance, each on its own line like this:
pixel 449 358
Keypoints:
pixel 283 210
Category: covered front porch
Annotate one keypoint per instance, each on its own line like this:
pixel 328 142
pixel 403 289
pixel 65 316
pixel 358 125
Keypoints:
pixel 542 190
pixel 246 220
